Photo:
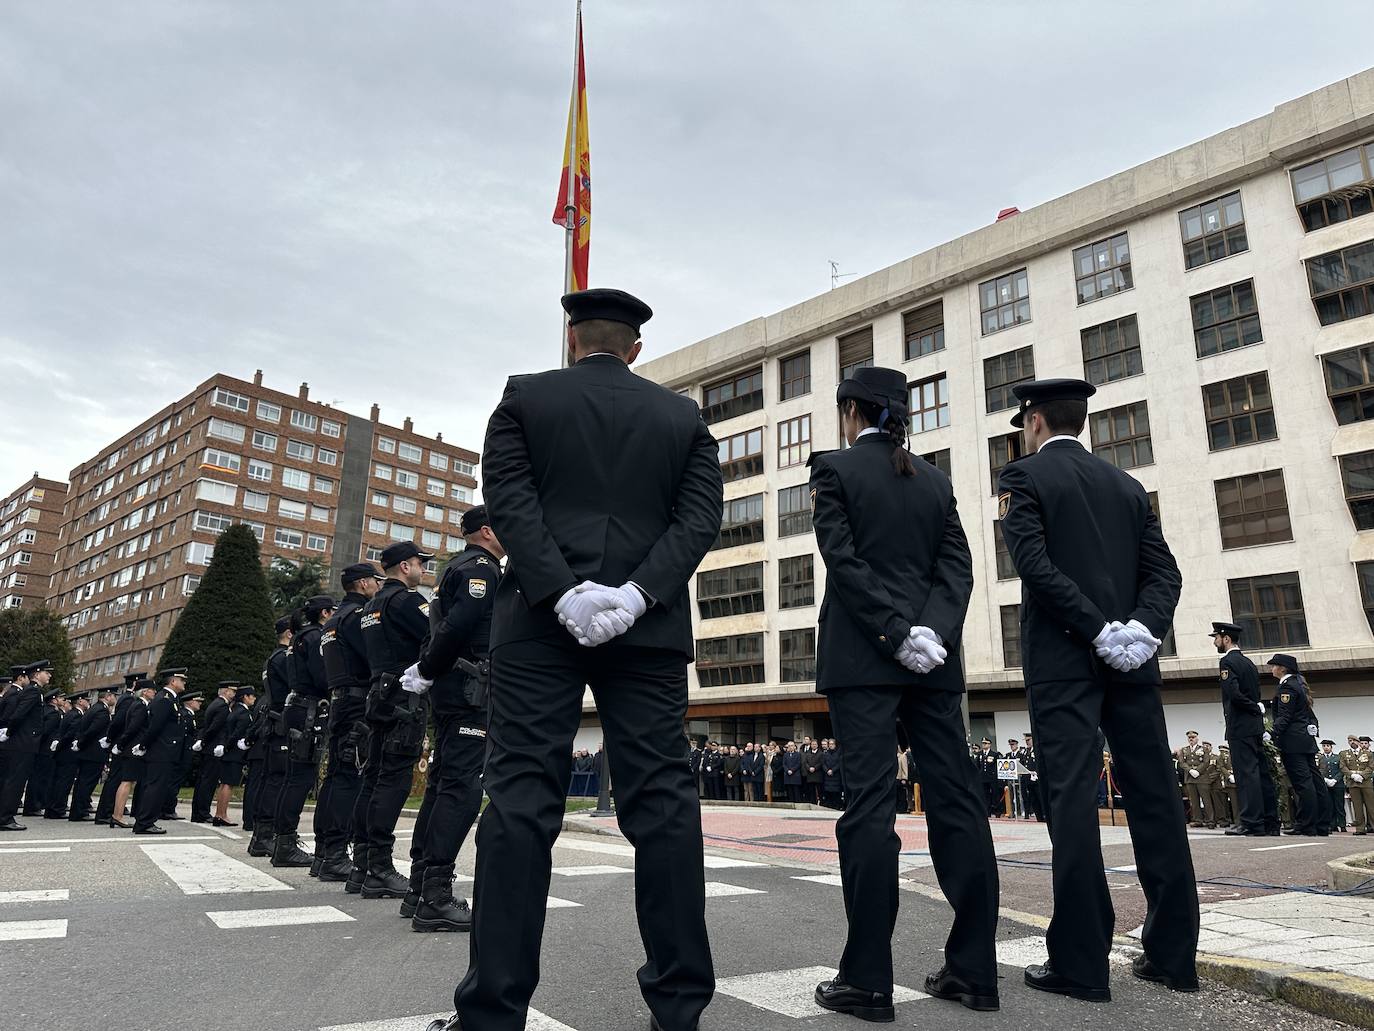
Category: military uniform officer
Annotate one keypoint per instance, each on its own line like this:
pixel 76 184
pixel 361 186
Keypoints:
pixel 258 728
pixel 394 624
pixel 305 717
pixel 236 731
pixel 113 789
pixel 209 745
pixel 1099 587
pixel 1030 781
pixel 1190 763
pixel 188 707
pixel 1214 787
pixel 459 628
pixel 90 756
pixel 1296 740
pixel 64 758
pixel 992 784
pixel 45 762
pixel 135 766
pixel 1357 764
pixel 23 729
pixel 159 744
pixel 7 695
pixel 1228 786
pixel 269 733
pixel 1329 769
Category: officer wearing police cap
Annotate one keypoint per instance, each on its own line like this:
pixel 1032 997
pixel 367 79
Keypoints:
pixel 110 794
pixel 159 744
pixel 1098 591
pixel 22 730
pixel 898 581
pixel 606 491
pixel 1295 735
pixel 267 744
pixel 345 665
pixel 1243 712
pixel 90 756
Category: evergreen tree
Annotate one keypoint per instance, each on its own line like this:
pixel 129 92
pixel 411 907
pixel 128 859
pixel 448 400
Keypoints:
pixel 29 634
pixel 225 631
pixel 292 584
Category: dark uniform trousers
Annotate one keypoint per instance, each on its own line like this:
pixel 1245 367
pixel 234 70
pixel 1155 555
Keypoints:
pixel 87 777
pixel 536 706
pixel 300 775
pixel 865 722
pixel 395 773
pixel 367 783
pixel 274 767
pixel 17 775
pixel 453 791
pixel 1254 785
pixel 207 782
pixel 104 809
pixel 343 780
pixel 158 781
pixel 64 779
pixel 40 783
pixel 1065 717
pixel 1302 775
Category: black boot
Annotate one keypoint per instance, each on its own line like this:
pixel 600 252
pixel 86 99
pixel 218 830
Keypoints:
pixel 336 866
pixel 438 911
pixel 315 865
pixel 358 873
pixel 412 899
pixel 286 852
pixel 260 845
pixel 382 880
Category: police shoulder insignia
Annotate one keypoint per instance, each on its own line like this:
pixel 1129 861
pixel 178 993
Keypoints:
pixel 1003 504
pixel 477 588
pixel 482 562
pixel 1285 697
pixel 1226 674
pixel 813 498
pixel 424 607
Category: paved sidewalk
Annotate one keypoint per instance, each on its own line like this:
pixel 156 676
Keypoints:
pixel 1323 932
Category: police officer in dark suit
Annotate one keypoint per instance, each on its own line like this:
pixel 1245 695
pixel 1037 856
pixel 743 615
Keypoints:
pixel 111 792
pixel 305 717
pixel 1295 735
pixel 345 665
pixel 1030 781
pixel 394 623
pixel 90 756
pixel 64 758
pixel 258 728
pixel 459 628
pixel 7 696
pixel 606 491
pixel 45 762
pixel 159 744
pixel 236 731
pixel 208 740
pixel 270 733
pixel 188 706
pixel 23 730
pixel 1099 587
pixel 1243 712
pixel 898 581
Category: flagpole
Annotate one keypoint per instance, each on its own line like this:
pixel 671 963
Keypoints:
pixel 574 181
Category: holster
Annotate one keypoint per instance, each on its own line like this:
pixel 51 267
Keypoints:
pixel 353 744
pixel 381 700
pixel 478 675
pixel 405 735
pixel 305 720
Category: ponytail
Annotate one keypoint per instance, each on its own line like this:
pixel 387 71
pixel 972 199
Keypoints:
pixel 894 426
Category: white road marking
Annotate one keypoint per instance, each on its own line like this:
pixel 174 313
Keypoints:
pixel 791 992
pixel 823 878
pixel 722 863
pixel 720 890
pixel 554 903
pixel 606 848
pixel 121 839
pixel 16 851
pixel 1121 869
pixel 279 917
pixel 202 870
pixel 55 895
pixel 225 832
pixel 1280 848
pixel 588 871
pixel 25 930
pixel 1025 952
pixel 534 1021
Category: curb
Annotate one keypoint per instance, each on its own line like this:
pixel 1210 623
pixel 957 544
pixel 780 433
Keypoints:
pixel 1350 871
pixel 1323 992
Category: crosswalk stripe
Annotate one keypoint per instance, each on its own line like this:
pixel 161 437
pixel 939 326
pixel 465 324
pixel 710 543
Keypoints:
pixel 535 1021
pixel 725 863
pixel 119 839
pixel 286 917
pixel 720 890
pixel 1032 951
pixel 16 851
pixel 202 870
pixel 24 930
pixel 588 871
pixel 822 878
pixel 55 895
pixel 791 992
pixel 606 848
pixel 554 903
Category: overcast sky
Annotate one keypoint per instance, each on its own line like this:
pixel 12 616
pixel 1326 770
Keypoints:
pixel 359 194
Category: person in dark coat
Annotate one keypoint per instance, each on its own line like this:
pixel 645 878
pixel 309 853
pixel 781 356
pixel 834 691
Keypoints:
pixel 832 786
pixel 1243 712
pixel 160 742
pixel 188 707
pixel 899 576
pixel 792 772
pixel 113 790
pixel 45 762
pixel 731 773
pixel 65 762
pixel 236 747
pixel 22 731
pixel 1295 735
pixel 209 745
pixel 90 755
pixel 713 771
pixel 812 774
pixel 1099 587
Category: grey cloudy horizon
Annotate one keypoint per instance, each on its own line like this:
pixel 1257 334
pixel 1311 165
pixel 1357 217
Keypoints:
pixel 358 195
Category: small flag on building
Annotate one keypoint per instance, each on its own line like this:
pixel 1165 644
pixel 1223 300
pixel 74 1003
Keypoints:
pixel 574 208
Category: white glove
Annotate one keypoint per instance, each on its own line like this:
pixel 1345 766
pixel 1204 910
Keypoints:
pixel 76 746
pixel 579 607
pixel 922 651
pixel 1230 778
pixel 1110 644
pixel 219 751
pixel 1358 778
pixel 1195 773
pixel 115 751
pixel 414 683
pixel 242 745
pixel 1312 729
pixel 197 746
pixel 1330 781
pixel 1035 777
pixel 52 747
pixel 104 743
pixel 1268 738
pixel 138 750
pixel 4 734
pixel 1261 705
pixel 611 623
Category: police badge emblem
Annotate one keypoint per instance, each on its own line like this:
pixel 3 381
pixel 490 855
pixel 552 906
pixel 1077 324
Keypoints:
pixel 477 588
pixel 1003 504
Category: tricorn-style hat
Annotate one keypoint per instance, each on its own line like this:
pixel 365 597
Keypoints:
pixel 876 385
pixel 1043 391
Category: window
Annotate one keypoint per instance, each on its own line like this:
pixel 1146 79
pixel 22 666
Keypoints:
pixel 1364 571
pixel 794 375
pixel 406 506
pixel 226 430
pixel 381 498
pixel 459 493
pixel 382 472
pixel 324 485
pixel 923 330
pixel 741 456
pixel 320 514
pixel 199 554
pixel 328 457
pixel 1239 411
pixel 1011 636
pixel 283 538
pixel 1111 351
pixel 212 522
pixel 373 554
pixel 1004 302
pixel 732 591
pixel 1122 435
pixel 1270 610
pixel 254 502
pixel 1335 188
pixel 438 461
pixel 796 582
pixel 1225 319
pixel 221 460
pixel 315 542
pixel 269 412
pixel 1213 231
pixel 330 428
pixel 1103 268
pixel 734 396
pixel 435 488
pixel 260 471
pixel 434 513
pixel 407 479
pixel 386 445
pixel 264 441
pixel 797 656
pixel 400 532
pixel 1002 372
pixel 1357 477
pixel 794 511
pixel 1006 569
pixel 430 539
pixel 296 479
pixel 1350 383
pixel 939 459
pixel 304 421
pixel 794 441
pixel 723 661
pixel 465 468
pixel 409 453
pixel 375 525
pixel 228 399
pixel 741 522
pixel 188 587
pixel 455 544
pixel 1342 283
pixel 213 490
pixel 296 449
pixel 856 351
pixel 1002 451
pixel 258 530
pixel 1253 510
pixel 291 509
pixel 930 404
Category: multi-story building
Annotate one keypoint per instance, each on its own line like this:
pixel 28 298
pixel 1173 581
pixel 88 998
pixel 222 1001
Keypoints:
pixel 1220 299
pixel 142 516
pixel 29 521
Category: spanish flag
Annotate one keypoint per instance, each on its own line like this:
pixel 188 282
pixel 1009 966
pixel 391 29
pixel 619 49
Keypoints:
pixel 575 191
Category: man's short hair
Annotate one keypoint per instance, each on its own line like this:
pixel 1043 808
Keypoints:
pixel 1065 416
pixel 594 335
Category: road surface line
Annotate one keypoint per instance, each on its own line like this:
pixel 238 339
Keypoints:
pixel 1280 848
pixel 25 930
pixel 822 878
pixel 290 916
pixel 791 992
pixel 534 1021
pixel 589 871
pixel 16 851
pixel 55 895
pixel 202 870
pixel 720 890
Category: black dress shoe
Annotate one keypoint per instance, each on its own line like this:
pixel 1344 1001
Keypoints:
pixel 173 816
pixel 1044 979
pixel 217 822
pixel 12 826
pixel 943 984
pixel 843 998
pixel 200 819
pixel 154 829
pixel 115 822
pixel 451 1024
pixel 1241 832
pixel 654 1025
pixel 81 819
pixel 1142 968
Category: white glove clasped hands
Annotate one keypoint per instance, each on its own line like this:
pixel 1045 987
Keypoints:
pixel 922 650
pixel 1125 647
pixel 414 683
pixel 219 751
pixel 139 751
pixel 594 613
pixel 197 746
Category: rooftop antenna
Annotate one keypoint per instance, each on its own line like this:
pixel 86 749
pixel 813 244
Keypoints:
pixel 836 275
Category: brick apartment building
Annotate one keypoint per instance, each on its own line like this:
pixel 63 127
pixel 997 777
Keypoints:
pixel 30 518
pixel 141 517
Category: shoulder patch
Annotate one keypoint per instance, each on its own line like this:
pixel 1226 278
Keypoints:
pixel 813 498
pixel 1285 697
pixel 477 588
pixel 424 607
pixel 1003 504
pixel 1225 674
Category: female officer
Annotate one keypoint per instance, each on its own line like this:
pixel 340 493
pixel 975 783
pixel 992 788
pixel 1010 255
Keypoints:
pixel 899 577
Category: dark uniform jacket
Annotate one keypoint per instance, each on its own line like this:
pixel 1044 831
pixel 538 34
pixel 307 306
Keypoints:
pixel 459 627
pixel 832 770
pixel 895 557
pixel 1088 550
pixel 52 727
pixel 987 764
pixel 135 720
pixel 162 735
pixel 593 473
pixel 275 687
pixel 25 719
pixel 306 671
pixel 394 623
pixel 95 724
pixel 119 721
pixel 212 725
pixel 811 766
pixel 345 659
pixel 1292 715
pixel 67 731
pixel 791 768
pixel 236 730
pixel 187 719
pixel 1240 696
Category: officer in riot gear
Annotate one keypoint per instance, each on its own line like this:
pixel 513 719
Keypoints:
pixel 269 735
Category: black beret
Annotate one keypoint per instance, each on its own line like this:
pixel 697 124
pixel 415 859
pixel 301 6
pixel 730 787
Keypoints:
pixel 474 519
pixel 319 603
pixel 1286 661
pixel 1042 391
pixel 611 305
pixel 283 625
pixel 876 385
pixel 358 571
pixel 398 553
pixel 1231 630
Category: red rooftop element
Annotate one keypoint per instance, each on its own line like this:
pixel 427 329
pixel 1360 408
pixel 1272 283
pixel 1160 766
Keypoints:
pixel 1007 213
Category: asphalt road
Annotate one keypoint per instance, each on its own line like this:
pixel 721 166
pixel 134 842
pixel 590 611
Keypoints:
pixel 145 939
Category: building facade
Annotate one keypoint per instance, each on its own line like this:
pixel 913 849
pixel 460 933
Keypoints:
pixel 1220 297
pixel 141 517
pixel 30 518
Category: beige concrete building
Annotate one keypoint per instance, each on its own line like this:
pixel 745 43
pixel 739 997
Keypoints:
pixel 1221 298
pixel 29 521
